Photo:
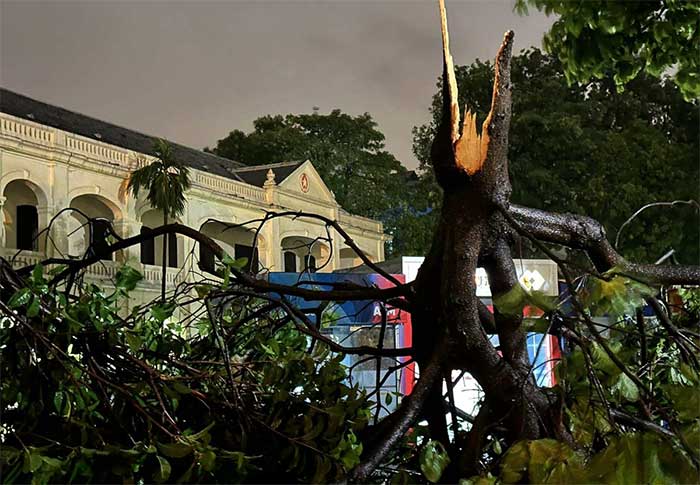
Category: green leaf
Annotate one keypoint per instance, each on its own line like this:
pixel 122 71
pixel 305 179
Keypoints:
pixel 487 480
pixel 238 263
pixel 32 461
pixel 160 313
pixel 38 273
pixel 684 399
pixel 618 296
pixel 542 301
pixel 602 360
pixel 174 450
pixel 517 298
pixel 127 278
pixel 625 389
pixel 62 403
pixel 537 325
pixel 134 341
pixel 433 460
pixel 202 290
pixel 207 460
pixel 163 472
pixel 514 463
pixel 20 298
pixel 512 302
pixel 34 307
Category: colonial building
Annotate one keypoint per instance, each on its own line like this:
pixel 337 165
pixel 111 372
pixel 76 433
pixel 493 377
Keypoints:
pixel 52 158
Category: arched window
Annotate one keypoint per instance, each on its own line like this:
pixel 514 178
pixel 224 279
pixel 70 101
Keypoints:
pixel 90 225
pixel 99 230
pixel 206 259
pixel 290 262
pixel 243 251
pixel 20 217
pixel 152 251
pixel 310 263
pixel 148 248
pixel 237 242
pixel 27 227
pixel 172 250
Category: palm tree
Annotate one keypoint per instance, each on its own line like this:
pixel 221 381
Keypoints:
pixel 166 180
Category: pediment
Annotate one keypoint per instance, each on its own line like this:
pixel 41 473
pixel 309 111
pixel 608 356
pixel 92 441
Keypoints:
pixel 307 181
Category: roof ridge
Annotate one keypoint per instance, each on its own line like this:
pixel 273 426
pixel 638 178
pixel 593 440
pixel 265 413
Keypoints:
pixel 250 168
pixel 5 91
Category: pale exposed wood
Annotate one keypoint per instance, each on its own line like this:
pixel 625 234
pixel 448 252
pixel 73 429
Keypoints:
pixel 449 72
pixel 469 148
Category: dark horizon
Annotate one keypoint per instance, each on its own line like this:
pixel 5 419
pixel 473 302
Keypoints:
pixel 194 71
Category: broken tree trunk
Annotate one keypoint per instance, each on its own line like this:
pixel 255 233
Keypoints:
pixel 472 169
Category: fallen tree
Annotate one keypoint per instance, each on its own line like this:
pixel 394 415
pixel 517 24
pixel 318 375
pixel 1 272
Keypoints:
pixel 241 385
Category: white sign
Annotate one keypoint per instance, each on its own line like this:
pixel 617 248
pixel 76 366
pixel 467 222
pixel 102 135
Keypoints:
pixel 533 275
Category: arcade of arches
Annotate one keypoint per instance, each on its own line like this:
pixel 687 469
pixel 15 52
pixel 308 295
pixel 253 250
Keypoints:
pixel 76 184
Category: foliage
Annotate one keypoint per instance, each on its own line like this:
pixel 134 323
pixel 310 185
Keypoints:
pixel 165 179
pixel 433 460
pixel 94 391
pixel 593 151
pixel 349 153
pixel 595 38
pixel 599 398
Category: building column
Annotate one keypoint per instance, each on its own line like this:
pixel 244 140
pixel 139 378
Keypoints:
pixel 337 242
pixel 271 229
pixel 2 221
pixel 273 246
pixel 55 243
pixel 128 228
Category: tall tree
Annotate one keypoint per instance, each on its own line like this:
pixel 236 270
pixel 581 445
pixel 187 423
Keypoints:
pixel 349 153
pixel 595 38
pixel 571 154
pixel 166 181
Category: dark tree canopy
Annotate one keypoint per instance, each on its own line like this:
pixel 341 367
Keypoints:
pixel 591 150
pixel 596 38
pixel 349 153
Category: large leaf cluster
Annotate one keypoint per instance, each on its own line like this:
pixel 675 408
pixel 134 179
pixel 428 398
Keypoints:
pixel 93 392
pixel 594 38
pixel 656 384
pixel 349 153
pixel 165 179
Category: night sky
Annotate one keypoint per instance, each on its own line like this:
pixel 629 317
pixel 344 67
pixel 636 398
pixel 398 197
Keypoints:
pixel 193 71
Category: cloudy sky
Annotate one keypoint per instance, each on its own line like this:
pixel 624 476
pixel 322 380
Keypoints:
pixel 191 71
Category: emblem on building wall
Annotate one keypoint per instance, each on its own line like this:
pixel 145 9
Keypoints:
pixel 304 182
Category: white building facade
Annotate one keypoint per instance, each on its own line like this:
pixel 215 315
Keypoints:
pixel 52 159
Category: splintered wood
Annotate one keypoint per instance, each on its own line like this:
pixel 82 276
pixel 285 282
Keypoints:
pixel 469 148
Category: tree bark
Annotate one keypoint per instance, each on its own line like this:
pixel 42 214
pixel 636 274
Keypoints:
pixel 472 169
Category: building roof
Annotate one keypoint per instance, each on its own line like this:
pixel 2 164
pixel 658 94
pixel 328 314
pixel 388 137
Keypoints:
pixel 30 109
pixel 257 174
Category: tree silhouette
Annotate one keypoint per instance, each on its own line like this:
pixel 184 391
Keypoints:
pixel 166 181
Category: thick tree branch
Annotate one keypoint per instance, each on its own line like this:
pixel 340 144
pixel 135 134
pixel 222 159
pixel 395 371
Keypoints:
pixel 502 278
pixel 249 280
pixel 587 234
pixel 401 420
